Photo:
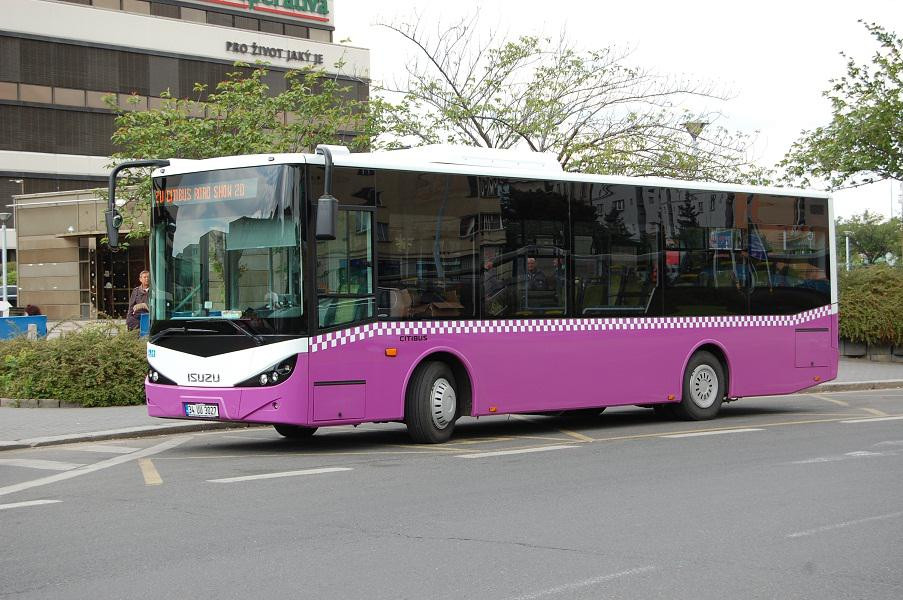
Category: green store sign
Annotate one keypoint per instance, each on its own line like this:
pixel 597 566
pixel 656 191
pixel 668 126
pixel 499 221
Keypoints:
pixel 315 6
pixel 304 9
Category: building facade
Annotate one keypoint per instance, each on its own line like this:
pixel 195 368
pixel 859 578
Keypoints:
pixel 59 59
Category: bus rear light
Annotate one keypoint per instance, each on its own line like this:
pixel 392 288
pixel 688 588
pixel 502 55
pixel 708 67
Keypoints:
pixel 391 352
pixel 670 397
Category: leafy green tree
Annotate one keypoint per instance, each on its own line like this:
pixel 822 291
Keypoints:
pixel 863 142
pixel 241 116
pixel 595 111
pixel 871 237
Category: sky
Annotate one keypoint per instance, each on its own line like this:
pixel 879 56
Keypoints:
pixel 774 57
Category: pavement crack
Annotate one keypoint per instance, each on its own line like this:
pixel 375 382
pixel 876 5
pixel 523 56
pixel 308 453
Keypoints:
pixel 528 545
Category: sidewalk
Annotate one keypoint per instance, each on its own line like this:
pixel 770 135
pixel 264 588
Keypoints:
pixel 29 427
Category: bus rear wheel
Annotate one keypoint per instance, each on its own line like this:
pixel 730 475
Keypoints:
pixel 703 388
pixel 294 432
pixel 431 403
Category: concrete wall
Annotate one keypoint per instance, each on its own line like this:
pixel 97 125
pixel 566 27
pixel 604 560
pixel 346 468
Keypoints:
pixel 51 230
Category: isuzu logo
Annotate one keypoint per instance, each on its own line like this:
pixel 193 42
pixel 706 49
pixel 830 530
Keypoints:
pixel 203 378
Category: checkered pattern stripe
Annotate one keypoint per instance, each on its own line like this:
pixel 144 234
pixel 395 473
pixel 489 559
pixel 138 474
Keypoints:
pixel 355 334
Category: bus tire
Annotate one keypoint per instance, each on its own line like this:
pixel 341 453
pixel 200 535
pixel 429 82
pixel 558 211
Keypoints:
pixel 703 388
pixel 431 403
pixel 294 432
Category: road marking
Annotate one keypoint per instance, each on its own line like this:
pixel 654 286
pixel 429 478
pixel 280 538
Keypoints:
pixel 577 435
pixel 29 503
pixel 282 474
pixel 711 432
pixel 573 434
pixel 873 420
pixel 846 456
pixel 104 464
pixel 832 400
pixel 569 587
pixel 103 449
pixel 47 465
pixel 509 452
pixel 151 476
pixel 826 528
pixel 874 411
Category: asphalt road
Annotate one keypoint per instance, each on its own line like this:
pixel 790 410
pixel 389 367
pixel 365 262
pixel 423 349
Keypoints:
pixel 793 497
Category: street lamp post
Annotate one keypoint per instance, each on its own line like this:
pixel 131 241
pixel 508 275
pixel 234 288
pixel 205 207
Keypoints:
pixel 694 128
pixel 4 216
pixel 847 235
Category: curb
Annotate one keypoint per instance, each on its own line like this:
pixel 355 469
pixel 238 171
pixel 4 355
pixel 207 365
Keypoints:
pixel 119 434
pixel 840 386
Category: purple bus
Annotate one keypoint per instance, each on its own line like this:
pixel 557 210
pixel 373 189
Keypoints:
pixel 423 285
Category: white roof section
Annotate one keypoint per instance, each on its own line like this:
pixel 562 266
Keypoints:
pixel 467 160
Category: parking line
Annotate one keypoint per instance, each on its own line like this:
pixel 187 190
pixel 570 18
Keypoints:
pixel 809 532
pixel 149 471
pixel 104 464
pixel 509 452
pixel 104 449
pixel 713 432
pixel 874 411
pixel 873 420
pixel 47 465
pixel 282 474
pixel 831 400
pixel 29 503
pixel 570 587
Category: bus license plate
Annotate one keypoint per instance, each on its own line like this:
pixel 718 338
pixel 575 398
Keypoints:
pixel 210 411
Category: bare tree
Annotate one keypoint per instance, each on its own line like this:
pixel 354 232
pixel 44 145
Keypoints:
pixel 593 110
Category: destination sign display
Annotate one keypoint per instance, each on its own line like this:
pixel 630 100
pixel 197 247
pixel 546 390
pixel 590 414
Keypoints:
pixel 207 192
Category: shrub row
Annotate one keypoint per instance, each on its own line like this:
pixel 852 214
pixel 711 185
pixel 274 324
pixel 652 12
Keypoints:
pixel 101 365
pixel 871 305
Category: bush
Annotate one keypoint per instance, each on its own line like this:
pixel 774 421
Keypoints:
pixel 871 305
pixel 101 365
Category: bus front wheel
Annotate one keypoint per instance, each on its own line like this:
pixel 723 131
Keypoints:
pixel 703 388
pixel 431 403
pixel 294 432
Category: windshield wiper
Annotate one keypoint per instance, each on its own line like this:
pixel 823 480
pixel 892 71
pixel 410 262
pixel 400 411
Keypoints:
pixel 183 330
pixel 257 339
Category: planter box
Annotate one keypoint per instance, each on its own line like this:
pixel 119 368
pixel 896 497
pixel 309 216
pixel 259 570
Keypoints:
pixel 880 352
pixel 856 349
pixel 897 354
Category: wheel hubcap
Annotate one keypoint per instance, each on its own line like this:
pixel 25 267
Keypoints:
pixel 443 403
pixel 703 386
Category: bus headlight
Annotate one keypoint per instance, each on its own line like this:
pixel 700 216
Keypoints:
pixel 155 376
pixel 273 375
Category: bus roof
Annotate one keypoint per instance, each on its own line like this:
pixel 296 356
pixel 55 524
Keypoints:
pixel 489 162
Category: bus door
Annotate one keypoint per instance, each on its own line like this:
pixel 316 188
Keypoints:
pixel 346 300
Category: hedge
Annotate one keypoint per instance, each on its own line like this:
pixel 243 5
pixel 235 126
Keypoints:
pixel 871 305
pixel 101 365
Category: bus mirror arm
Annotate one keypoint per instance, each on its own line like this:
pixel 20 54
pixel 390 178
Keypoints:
pixel 327 205
pixel 112 216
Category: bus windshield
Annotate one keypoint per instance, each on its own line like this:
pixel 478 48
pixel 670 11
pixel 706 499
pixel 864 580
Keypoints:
pixel 227 245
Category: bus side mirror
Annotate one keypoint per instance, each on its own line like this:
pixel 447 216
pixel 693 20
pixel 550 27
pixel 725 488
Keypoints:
pixel 114 222
pixel 327 215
